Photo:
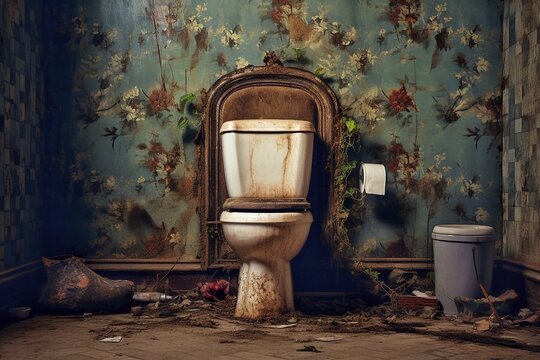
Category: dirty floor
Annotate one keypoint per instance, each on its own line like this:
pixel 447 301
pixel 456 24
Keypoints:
pixel 207 335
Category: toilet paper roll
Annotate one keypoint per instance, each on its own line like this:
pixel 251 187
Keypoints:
pixel 372 179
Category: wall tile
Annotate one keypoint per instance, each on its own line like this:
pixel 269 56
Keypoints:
pixel 521 234
pixel 22 39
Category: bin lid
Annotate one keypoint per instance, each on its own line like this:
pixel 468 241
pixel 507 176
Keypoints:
pixel 463 233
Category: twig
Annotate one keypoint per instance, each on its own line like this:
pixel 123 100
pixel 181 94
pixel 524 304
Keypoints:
pixel 109 107
pixel 168 272
pixel 152 15
pixel 484 291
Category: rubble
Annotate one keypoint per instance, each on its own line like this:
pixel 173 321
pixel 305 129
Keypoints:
pixel 151 297
pixel 136 310
pixel 329 338
pixel 72 287
pixel 202 307
pixel 413 302
pixel 217 290
pixel 485 325
pixel 527 317
pixel 114 339
pixel 309 348
pixel 283 326
pixel 470 308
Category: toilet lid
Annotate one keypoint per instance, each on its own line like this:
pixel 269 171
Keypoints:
pixel 465 233
pixel 294 204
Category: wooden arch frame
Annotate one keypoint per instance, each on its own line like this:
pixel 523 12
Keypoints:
pixel 286 79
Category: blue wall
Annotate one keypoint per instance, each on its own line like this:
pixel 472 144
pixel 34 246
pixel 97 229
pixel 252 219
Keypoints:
pixel 419 82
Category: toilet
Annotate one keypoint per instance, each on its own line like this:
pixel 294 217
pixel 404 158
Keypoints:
pixel 266 219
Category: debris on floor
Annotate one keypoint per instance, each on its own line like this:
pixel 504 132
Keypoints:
pixel 414 302
pixel 504 305
pixel 136 310
pixel 486 325
pixel 283 326
pixel 72 287
pixel 527 317
pixel 215 290
pixel 151 297
pixel 328 338
pixel 406 282
pixel 114 339
pixel 309 348
pixel 211 305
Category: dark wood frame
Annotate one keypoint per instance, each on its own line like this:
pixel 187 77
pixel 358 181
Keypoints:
pixel 273 74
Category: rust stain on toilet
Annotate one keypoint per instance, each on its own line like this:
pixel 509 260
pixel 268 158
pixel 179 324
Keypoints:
pixel 285 166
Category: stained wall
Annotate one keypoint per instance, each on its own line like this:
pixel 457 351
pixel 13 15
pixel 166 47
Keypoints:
pixel 419 83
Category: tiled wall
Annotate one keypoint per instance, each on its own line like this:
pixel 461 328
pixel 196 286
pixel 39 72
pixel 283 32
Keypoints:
pixel 21 91
pixel 521 130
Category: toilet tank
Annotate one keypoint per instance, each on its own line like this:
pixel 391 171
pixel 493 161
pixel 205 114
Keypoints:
pixel 267 158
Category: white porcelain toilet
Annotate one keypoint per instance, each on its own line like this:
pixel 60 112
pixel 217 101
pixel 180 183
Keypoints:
pixel 267 166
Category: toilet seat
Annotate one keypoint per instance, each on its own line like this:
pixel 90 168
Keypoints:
pixel 262 218
pixel 266 204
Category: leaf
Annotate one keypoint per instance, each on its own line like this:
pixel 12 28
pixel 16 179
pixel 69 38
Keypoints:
pixel 184 99
pixel 351 124
pixel 182 123
pixel 343 172
pixel 351 193
pixel 320 72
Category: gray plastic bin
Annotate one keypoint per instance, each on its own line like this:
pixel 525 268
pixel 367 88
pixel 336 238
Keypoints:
pixel 453 246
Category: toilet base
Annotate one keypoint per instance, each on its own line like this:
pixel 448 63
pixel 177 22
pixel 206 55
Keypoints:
pixel 265 289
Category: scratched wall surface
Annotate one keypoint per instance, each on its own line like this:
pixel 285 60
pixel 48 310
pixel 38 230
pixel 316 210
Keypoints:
pixel 521 136
pixel 418 81
pixel 21 120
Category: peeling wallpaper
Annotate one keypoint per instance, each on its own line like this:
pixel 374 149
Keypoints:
pixel 418 81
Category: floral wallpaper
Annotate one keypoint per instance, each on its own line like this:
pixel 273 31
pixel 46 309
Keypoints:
pixel 419 83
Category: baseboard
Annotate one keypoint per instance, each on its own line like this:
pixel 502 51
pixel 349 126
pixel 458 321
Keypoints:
pixel 412 264
pixel 522 277
pixel 143 265
pixel 528 271
pixel 149 265
pixel 20 285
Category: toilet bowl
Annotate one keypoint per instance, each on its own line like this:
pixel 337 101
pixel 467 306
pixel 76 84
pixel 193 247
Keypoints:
pixel 267 167
pixel 265 243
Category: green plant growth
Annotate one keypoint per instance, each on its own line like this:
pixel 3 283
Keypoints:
pixel 347 140
pixel 185 120
pixel 391 294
